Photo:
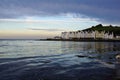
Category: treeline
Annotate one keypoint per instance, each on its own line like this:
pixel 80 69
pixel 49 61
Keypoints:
pixel 107 29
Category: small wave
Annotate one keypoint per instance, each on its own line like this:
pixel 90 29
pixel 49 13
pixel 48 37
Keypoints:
pixel 3 45
pixel 2 52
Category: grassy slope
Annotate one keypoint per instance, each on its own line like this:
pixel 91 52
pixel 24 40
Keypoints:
pixel 110 29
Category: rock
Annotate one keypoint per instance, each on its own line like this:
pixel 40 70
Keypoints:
pixel 82 56
pixel 118 58
pixel 117 66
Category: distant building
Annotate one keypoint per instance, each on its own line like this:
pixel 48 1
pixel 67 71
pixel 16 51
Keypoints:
pixel 111 36
pixel 65 35
pixel 99 35
pixel 108 36
pixel 57 37
pixel 118 36
pixel 72 35
pixel 88 34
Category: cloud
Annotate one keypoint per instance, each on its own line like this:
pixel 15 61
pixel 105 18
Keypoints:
pixel 61 18
pixel 46 29
pixel 104 10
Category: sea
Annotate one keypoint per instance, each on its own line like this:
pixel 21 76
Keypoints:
pixel 57 60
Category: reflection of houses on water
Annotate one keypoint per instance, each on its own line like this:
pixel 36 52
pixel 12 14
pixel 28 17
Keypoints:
pixel 100 47
pixel 92 47
pixel 95 47
pixel 88 35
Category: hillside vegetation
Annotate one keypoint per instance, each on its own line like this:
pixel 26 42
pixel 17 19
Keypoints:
pixel 109 29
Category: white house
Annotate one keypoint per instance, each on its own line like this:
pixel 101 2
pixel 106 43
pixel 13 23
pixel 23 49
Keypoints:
pixel 111 36
pixel 65 35
pixel 108 35
pixel 87 34
pixel 118 36
pixel 78 34
pixel 71 35
pixel 82 34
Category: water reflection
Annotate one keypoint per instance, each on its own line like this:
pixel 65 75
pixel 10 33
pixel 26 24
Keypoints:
pixel 104 51
pixel 99 47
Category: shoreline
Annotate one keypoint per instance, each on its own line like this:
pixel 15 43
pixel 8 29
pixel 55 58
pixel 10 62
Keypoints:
pixel 83 40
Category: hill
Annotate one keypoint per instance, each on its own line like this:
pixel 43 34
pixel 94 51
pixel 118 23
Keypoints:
pixel 100 27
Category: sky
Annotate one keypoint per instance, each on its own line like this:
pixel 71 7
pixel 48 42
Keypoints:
pixel 35 19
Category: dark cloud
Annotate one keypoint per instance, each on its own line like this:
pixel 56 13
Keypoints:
pixel 104 10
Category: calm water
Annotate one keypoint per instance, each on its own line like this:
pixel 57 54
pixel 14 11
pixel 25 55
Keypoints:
pixel 52 60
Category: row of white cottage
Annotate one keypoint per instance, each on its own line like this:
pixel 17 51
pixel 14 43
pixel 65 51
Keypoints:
pixel 87 34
